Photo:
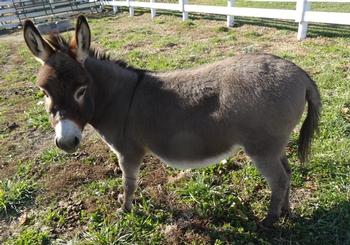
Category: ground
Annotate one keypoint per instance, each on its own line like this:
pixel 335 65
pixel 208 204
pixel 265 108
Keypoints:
pixel 47 196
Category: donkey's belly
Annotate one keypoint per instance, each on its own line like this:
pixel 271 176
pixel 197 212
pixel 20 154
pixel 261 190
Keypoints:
pixel 199 162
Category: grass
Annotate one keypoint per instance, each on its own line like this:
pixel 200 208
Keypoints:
pixel 14 193
pixel 37 117
pixel 52 155
pixel 72 198
pixel 138 228
pixel 30 236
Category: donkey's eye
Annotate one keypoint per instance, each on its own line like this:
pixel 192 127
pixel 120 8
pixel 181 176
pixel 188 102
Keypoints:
pixel 80 93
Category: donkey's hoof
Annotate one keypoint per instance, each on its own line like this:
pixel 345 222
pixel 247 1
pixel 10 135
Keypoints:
pixel 123 210
pixel 120 211
pixel 262 226
pixel 267 223
pixel 286 212
pixel 289 215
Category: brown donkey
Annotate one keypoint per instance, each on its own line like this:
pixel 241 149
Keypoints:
pixel 189 118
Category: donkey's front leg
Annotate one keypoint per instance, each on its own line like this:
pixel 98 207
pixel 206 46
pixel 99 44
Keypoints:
pixel 130 166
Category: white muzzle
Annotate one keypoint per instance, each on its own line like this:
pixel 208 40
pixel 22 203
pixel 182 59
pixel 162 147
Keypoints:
pixel 68 135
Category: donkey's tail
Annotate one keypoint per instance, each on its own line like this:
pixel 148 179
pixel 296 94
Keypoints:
pixel 310 125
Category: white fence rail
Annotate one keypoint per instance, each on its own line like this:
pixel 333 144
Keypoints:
pixel 13 12
pixel 8 17
pixel 302 14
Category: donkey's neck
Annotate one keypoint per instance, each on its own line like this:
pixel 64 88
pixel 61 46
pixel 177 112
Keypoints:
pixel 113 91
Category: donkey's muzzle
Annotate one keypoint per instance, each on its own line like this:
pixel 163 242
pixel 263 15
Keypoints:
pixel 68 146
pixel 68 135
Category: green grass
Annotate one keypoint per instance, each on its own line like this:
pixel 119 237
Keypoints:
pixel 37 118
pixel 52 155
pixel 31 237
pixel 14 193
pixel 133 228
pixel 28 65
pixel 220 204
pixel 55 217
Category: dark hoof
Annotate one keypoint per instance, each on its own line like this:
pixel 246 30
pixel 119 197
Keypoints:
pixel 289 215
pixel 264 227
pixel 120 211
pixel 267 223
pixel 286 213
pixel 123 210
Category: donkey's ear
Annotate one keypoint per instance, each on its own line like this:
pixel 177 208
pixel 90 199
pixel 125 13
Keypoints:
pixel 82 38
pixel 36 44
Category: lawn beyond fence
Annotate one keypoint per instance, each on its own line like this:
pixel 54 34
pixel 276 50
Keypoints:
pixel 302 14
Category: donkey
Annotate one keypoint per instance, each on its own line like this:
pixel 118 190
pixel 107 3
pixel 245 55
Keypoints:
pixel 189 118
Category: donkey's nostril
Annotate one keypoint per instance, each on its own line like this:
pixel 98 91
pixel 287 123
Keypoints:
pixel 68 145
pixel 56 142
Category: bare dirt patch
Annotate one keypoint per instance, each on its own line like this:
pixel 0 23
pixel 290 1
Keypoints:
pixel 65 178
pixel 71 210
pixel 15 37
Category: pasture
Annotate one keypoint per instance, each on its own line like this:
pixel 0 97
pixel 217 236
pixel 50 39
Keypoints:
pixel 47 196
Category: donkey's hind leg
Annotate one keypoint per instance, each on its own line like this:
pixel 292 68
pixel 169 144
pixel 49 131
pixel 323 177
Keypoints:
pixel 278 179
pixel 285 210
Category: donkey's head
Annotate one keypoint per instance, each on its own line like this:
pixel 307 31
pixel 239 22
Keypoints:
pixel 64 81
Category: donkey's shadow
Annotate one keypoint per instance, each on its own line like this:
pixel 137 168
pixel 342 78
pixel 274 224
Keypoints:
pixel 324 226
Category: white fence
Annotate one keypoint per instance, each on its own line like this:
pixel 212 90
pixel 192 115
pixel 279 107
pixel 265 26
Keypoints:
pixel 8 17
pixel 13 12
pixel 302 13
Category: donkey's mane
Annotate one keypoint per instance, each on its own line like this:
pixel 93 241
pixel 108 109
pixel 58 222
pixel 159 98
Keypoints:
pixel 60 43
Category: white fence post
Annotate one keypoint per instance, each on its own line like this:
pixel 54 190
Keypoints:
pixel 153 10
pixel 230 18
pixel 115 8
pixel 301 8
pixel 102 5
pixel 182 7
pixel 131 9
